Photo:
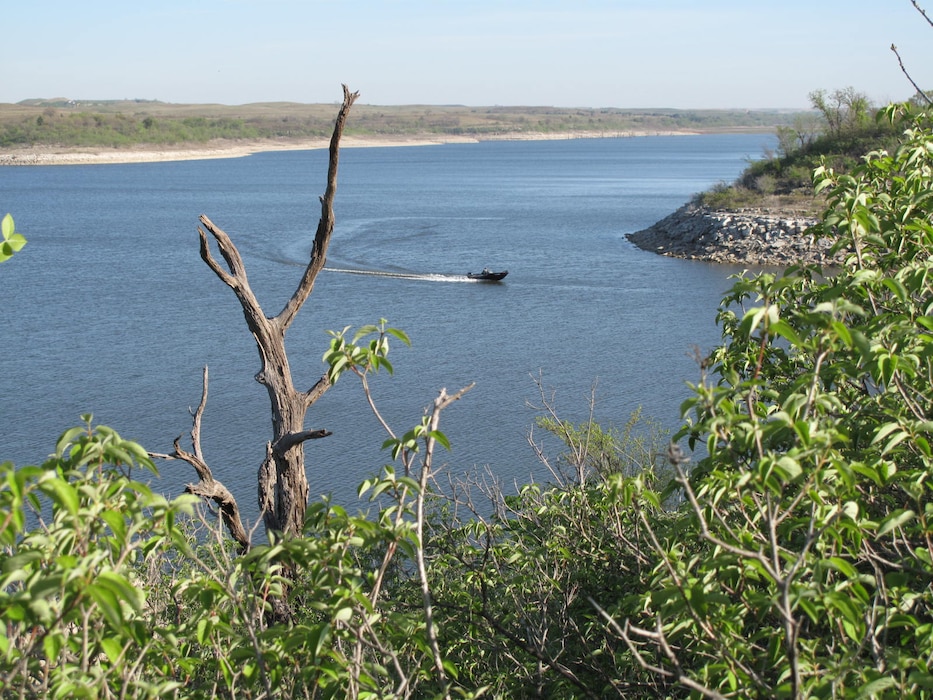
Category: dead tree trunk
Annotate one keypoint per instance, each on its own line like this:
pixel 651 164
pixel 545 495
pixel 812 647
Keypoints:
pixel 283 482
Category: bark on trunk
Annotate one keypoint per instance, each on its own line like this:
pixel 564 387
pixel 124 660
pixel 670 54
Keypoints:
pixel 283 482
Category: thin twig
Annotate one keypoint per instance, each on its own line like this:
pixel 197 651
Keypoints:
pixel 904 70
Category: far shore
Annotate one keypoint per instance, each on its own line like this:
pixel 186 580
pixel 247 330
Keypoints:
pixel 49 155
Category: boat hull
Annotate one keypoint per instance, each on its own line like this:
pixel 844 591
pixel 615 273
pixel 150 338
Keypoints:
pixel 487 276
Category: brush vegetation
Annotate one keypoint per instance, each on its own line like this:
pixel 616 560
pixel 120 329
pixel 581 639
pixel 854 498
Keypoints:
pixel 839 131
pixel 128 123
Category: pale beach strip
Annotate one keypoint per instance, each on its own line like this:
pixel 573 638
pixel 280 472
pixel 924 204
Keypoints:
pixel 49 155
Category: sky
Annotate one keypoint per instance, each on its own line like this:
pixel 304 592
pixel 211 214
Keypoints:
pixel 685 54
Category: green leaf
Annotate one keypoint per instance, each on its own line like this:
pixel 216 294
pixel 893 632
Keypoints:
pixel 843 567
pixel 12 241
pixel 108 603
pixel 112 648
pixel 401 335
pixel 121 588
pixel 874 689
pixel 62 493
pixel 441 438
pixel 203 630
pixel 413 485
pixel 363 332
pixel 783 329
pixel 116 522
pixel 67 438
pixel 897 433
pixel 7 226
pixel 843 332
pixel 52 645
pixel 752 319
pixel 896 287
pixel 19 561
pixel 789 468
pixel 895 520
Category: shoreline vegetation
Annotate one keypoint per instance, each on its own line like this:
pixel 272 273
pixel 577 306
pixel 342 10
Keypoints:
pixel 220 148
pixel 62 131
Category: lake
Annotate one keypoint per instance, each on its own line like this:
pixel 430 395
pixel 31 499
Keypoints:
pixel 109 309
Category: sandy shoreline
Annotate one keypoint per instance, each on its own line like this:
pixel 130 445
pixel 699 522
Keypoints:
pixel 236 149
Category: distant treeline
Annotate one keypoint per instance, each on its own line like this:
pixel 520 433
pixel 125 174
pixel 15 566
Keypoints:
pixel 90 129
pixel 127 123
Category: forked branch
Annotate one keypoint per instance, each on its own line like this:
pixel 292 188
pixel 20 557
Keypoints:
pixel 208 487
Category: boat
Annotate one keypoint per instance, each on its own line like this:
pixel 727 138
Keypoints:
pixel 487 275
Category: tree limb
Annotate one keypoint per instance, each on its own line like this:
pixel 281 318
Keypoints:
pixel 317 391
pixel 208 487
pixel 287 442
pixel 325 225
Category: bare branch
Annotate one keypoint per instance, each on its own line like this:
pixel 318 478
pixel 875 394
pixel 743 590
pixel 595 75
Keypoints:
pixel 325 225
pixel 442 401
pixel 904 70
pixel 921 11
pixel 235 275
pixel 229 511
pixel 317 391
pixel 208 487
pixel 660 640
pixel 196 424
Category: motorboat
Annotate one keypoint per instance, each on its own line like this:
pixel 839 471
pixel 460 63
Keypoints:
pixel 487 275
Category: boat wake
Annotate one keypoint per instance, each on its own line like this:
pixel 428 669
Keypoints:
pixel 403 275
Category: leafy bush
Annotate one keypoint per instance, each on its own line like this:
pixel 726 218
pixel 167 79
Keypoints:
pixel 515 588
pixel 107 589
pixel 813 573
pixel 76 621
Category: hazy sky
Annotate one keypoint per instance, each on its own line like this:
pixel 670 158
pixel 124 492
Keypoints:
pixel 567 53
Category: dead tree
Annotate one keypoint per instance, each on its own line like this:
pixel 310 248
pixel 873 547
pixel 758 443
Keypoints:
pixel 283 482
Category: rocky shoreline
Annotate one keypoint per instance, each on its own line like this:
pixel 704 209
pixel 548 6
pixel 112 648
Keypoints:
pixel 749 236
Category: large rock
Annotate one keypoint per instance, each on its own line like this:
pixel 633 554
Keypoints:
pixel 752 237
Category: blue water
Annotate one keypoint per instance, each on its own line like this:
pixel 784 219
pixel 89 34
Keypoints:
pixel 109 309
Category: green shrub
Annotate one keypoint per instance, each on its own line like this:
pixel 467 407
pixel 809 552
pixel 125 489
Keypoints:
pixel 515 589
pixel 75 533
pixel 812 502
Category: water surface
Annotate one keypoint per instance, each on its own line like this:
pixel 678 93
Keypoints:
pixel 109 309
